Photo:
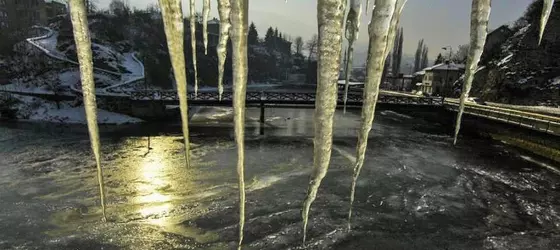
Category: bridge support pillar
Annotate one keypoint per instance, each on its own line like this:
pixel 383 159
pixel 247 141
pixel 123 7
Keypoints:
pixel 261 127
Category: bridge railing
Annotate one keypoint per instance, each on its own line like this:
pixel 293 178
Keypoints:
pixel 277 98
pixel 543 123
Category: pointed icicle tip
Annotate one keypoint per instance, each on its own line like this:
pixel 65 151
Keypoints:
pixel 172 15
pixel 480 15
pixel 193 45
pixel 78 17
pixel 547 9
pixel 205 14
pixel 224 9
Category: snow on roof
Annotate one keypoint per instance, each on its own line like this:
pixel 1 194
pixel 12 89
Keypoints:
pixel 445 66
pixel 342 82
pixel 214 21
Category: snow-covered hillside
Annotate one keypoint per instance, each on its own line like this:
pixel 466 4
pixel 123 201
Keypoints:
pixel 40 67
pixel 519 70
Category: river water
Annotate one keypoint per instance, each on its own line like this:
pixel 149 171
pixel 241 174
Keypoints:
pixel 416 190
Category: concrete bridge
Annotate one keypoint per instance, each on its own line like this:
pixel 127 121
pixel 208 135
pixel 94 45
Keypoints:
pixel 534 121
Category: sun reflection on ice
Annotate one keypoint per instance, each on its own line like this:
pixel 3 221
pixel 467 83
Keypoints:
pixel 152 178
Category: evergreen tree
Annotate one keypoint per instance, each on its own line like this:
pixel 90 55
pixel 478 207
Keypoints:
pixel 385 69
pixel 439 59
pixel 253 35
pixel 424 63
pixel 418 56
pixel 269 38
pixel 298 45
pixel 397 55
pixel 275 39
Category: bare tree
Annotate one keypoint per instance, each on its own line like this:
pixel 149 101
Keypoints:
pixel 91 6
pixel 311 46
pixel 119 7
pixel 298 44
pixel 461 55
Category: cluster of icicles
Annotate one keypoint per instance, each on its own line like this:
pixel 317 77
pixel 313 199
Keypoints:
pixel 234 22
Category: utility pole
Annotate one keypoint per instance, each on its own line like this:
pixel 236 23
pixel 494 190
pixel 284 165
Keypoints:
pixel 447 88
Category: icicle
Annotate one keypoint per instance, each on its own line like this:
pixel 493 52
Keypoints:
pixel 367 6
pixel 78 15
pixel 224 9
pixel 240 24
pixel 205 13
pixel 193 45
pixel 480 14
pixel 352 31
pixel 547 9
pixel 330 15
pixel 174 31
pixel 382 30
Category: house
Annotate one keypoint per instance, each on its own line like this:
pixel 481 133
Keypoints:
pixel 213 32
pixel 54 8
pixel 494 39
pixel 18 15
pixel 439 79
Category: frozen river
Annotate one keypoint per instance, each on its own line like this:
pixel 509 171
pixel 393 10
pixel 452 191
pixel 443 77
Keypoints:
pixel 416 190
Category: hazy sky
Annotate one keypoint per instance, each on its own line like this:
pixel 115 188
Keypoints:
pixel 440 22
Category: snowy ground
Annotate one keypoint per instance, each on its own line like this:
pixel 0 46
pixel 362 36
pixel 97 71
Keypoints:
pixel 36 109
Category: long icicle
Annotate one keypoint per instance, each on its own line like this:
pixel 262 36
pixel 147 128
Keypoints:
pixel 78 15
pixel 224 9
pixel 330 16
pixel 193 45
pixel 240 24
pixel 367 7
pixel 547 9
pixel 351 34
pixel 205 14
pixel 382 29
pixel 480 13
pixel 174 31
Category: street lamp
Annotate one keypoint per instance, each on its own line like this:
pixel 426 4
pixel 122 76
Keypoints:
pixel 447 68
pixel 450 51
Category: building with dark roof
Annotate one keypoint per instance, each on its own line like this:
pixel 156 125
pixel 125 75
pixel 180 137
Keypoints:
pixel 438 79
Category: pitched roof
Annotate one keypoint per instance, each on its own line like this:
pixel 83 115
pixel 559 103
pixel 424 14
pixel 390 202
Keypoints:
pixel 214 21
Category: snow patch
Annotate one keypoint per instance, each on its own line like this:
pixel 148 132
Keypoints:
pixel 505 59
pixel 69 77
pixel 556 81
pixel 524 80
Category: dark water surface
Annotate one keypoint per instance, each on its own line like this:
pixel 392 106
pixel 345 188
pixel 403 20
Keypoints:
pixel 416 190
